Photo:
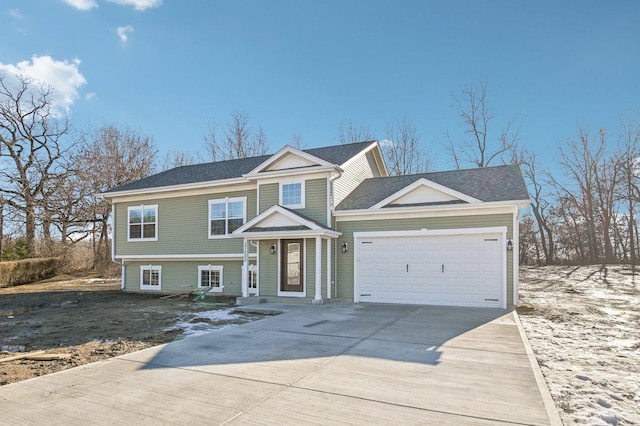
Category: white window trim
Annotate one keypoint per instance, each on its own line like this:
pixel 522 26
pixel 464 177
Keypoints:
pixel 141 207
pixel 302 195
pixel 226 202
pixel 151 268
pixel 218 268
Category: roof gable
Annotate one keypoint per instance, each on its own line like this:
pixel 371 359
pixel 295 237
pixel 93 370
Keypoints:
pixel 286 159
pixel 488 184
pixel 424 191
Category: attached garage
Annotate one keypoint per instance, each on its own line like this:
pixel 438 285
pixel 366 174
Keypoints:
pixel 463 267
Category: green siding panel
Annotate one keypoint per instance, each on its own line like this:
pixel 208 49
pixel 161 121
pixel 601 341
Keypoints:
pixel 344 270
pixel 182 227
pixel 180 277
pixel 269 196
pixel 315 204
pixel 267 269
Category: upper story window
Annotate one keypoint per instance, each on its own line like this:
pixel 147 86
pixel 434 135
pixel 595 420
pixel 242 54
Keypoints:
pixel 143 223
pixel 292 195
pixel 226 215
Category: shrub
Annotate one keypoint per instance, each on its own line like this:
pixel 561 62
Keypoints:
pixel 26 271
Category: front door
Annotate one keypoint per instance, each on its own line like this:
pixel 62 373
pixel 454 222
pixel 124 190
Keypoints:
pixel 292 270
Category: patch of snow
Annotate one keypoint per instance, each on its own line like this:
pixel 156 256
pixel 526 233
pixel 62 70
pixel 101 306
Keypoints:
pixel 585 331
pixel 203 322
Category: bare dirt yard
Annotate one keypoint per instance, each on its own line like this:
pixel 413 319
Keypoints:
pixel 91 320
pixel 584 326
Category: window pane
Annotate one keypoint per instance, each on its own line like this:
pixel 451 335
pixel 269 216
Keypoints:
pixel 135 216
pixel 155 277
pixel 146 277
pixel 292 194
pixel 236 209
pixel 135 231
pixel 149 231
pixel 218 211
pixel 205 279
pixel 215 278
pixel 234 224
pixel 150 215
pixel 217 227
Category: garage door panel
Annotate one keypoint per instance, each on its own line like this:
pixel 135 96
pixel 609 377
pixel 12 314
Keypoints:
pixel 461 270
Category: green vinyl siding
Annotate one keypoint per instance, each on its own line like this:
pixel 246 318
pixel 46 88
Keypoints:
pixel 315 200
pixel 345 261
pixel 267 268
pixel 181 277
pixel 268 196
pixel 182 227
pixel 315 204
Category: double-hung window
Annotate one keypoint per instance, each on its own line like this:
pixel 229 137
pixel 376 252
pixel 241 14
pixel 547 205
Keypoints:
pixel 292 195
pixel 226 215
pixel 150 277
pixel 143 223
pixel 210 276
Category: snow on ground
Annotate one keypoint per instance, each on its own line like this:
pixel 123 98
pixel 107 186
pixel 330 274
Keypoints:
pixel 205 321
pixel 584 326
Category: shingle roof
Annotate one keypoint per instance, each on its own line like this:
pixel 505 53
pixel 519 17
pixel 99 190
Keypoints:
pixel 499 183
pixel 229 169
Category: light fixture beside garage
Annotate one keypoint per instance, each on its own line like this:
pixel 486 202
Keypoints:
pixel 273 249
pixel 509 245
pixel 345 247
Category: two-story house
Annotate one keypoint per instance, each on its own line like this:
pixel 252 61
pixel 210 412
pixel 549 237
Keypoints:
pixel 321 224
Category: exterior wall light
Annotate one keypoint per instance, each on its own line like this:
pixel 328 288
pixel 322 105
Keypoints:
pixel 509 245
pixel 273 249
pixel 345 247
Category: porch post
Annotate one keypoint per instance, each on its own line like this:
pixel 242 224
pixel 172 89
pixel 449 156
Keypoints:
pixel 329 274
pixel 318 297
pixel 245 268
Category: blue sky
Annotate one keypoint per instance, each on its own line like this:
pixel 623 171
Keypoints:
pixel 168 68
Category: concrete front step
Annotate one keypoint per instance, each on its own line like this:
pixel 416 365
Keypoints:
pixel 253 300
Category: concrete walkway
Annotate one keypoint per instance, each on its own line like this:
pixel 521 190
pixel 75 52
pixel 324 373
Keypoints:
pixel 328 364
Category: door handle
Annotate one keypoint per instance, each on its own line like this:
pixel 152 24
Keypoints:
pixel 407 267
pixel 443 268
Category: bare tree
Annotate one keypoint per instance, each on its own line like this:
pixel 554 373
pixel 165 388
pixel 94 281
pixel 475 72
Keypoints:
pixel 296 141
pixel 32 137
pixel 402 149
pixel 124 155
pixel 349 132
pixel 540 205
pixel 238 140
pixel 173 159
pixel 479 148
pixel 629 189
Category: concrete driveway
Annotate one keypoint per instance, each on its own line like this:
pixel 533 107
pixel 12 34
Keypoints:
pixel 337 363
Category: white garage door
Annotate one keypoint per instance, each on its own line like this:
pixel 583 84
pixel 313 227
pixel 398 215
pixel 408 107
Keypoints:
pixel 455 270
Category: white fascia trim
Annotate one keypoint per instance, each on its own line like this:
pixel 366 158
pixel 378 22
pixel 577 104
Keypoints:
pixel 429 184
pixel 382 167
pixel 358 155
pixel 173 188
pixel 172 257
pixel 287 149
pixel 420 211
pixel 275 175
pixel 271 235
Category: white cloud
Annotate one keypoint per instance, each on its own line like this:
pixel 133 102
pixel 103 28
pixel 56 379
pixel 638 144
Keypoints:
pixel 89 96
pixel 62 76
pixel 123 32
pixel 15 14
pixel 82 4
pixel 138 4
